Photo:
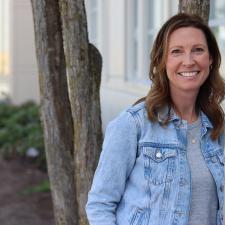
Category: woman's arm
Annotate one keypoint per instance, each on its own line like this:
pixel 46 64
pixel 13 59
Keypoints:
pixel 115 165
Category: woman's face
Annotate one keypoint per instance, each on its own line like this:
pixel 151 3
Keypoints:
pixel 188 60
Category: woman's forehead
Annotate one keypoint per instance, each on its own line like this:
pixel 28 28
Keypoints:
pixel 187 36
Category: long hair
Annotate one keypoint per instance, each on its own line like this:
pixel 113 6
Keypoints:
pixel 211 93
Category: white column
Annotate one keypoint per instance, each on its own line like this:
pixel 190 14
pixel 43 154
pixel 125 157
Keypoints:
pixel 116 44
pixel 103 37
pixel 24 75
pixel 4 50
pixel 143 48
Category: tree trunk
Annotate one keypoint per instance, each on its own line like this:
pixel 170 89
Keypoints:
pixel 55 109
pixel 84 82
pixel 199 7
pixel 72 122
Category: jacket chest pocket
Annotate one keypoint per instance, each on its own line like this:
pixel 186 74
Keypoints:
pixel 159 164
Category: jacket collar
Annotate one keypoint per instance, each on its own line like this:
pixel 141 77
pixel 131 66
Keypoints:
pixel 163 115
pixel 206 124
pixel 205 120
pixel 167 112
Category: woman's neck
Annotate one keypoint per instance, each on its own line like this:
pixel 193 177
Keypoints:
pixel 185 106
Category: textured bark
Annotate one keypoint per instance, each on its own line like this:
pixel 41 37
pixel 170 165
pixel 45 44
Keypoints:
pixel 55 109
pixel 83 70
pixel 70 113
pixel 199 7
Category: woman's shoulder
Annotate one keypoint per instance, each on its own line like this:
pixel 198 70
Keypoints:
pixel 137 108
pixel 134 112
pixel 129 121
pixel 131 116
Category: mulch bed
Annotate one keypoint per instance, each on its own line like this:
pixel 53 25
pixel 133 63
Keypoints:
pixel 17 208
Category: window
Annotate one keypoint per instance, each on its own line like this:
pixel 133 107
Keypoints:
pixel 217 23
pixel 92 17
pixel 136 46
pixel 144 18
pixel 133 36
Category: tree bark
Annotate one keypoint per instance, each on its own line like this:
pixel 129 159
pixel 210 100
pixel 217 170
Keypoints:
pixel 55 109
pixel 199 7
pixel 70 114
pixel 83 70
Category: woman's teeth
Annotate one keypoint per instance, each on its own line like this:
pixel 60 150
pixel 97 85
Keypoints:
pixel 188 74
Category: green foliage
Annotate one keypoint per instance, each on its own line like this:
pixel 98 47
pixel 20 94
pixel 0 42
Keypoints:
pixel 20 129
pixel 44 186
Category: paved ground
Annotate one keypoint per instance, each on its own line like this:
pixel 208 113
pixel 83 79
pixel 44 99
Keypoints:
pixel 17 208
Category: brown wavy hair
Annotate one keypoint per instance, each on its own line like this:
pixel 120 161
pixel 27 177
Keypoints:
pixel 212 91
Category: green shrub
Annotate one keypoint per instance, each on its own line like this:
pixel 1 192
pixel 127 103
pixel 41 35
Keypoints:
pixel 20 129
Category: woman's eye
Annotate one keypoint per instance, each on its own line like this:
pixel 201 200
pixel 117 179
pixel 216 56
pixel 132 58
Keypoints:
pixel 198 50
pixel 176 51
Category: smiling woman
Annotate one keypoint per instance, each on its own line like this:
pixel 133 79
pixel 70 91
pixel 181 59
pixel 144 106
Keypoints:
pixel 162 160
pixel 188 44
pixel 187 67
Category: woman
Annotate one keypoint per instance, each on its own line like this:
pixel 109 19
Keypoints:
pixel 162 159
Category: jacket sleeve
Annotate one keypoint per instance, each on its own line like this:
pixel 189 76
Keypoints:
pixel 115 165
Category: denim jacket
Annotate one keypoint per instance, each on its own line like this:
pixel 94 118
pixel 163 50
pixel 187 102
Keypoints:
pixel 143 176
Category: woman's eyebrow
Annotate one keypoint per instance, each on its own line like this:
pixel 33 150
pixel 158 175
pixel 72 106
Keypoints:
pixel 182 46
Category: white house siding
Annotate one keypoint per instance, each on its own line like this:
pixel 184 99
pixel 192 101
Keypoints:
pixel 4 49
pixel 23 75
pixel 120 25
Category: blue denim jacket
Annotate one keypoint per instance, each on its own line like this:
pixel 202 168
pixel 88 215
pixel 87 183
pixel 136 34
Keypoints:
pixel 143 176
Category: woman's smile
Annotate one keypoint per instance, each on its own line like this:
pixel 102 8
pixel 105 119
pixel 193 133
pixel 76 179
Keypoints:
pixel 188 73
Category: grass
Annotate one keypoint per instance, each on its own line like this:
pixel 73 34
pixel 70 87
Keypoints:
pixel 44 186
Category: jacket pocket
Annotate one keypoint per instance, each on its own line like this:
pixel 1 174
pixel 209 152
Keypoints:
pixel 216 158
pixel 159 164
pixel 140 217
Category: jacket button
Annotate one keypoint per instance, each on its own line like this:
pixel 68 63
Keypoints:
pixel 179 213
pixel 214 159
pixel 183 182
pixel 158 155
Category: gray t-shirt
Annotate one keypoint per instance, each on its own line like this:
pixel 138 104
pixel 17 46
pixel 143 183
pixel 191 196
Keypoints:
pixel 204 201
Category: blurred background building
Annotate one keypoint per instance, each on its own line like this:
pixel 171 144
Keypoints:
pixel 18 68
pixel 123 31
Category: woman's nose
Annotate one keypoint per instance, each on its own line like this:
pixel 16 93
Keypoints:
pixel 188 59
